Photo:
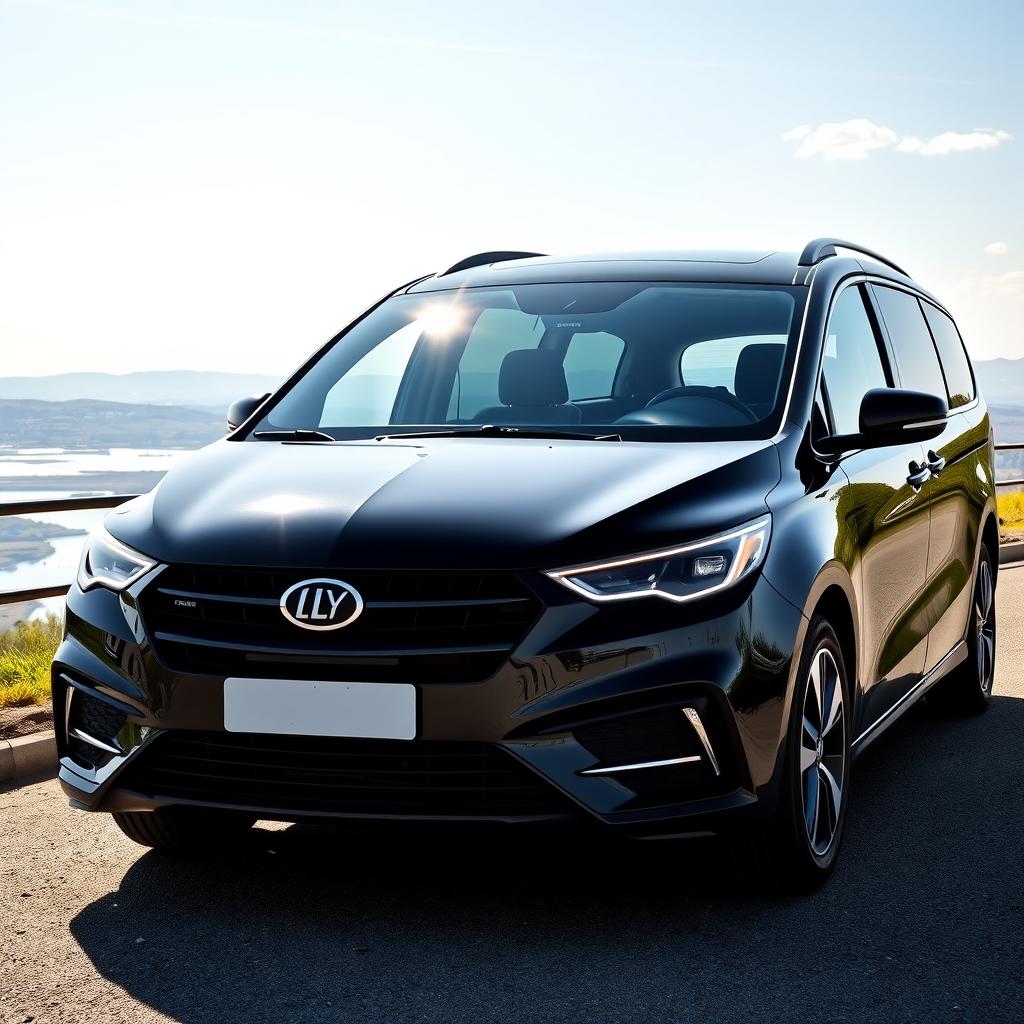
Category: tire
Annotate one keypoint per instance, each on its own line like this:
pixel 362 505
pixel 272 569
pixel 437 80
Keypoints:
pixel 184 830
pixel 797 851
pixel 967 690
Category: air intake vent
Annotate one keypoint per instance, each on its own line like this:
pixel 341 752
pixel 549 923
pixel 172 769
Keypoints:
pixel 295 774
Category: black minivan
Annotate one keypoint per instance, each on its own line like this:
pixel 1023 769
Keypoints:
pixel 656 541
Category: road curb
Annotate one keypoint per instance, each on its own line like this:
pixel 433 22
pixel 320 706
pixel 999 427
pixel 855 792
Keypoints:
pixel 1010 552
pixel 26 757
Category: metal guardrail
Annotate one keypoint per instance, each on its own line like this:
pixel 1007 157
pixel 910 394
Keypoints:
pixel 1019 482
pixel 16 508
pixel 1011 552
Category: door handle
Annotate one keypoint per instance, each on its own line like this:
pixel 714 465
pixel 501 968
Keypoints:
pixel 918 476
pixel 936 463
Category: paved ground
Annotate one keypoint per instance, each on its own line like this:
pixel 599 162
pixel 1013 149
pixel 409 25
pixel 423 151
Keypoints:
pixel 924 920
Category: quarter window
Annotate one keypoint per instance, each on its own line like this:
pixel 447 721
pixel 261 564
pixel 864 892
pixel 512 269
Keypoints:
pixel 959 379
pixel 852 364
pixel 911 341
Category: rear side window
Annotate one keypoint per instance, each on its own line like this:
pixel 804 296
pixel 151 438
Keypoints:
pixel 954 358
pixel 911 340
pixel 852 364
pixel 591 361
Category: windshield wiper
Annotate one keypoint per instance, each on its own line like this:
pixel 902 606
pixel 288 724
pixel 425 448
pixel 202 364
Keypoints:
pixel 491 430
pixel 293 435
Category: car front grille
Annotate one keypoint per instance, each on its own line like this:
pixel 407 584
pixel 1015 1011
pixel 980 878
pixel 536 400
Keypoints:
pixel 296 774
pixel 423 627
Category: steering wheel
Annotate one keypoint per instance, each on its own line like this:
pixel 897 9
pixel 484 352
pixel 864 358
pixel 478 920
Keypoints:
pixel 702 391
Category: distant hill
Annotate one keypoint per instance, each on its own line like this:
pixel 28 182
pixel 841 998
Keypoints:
pixel 92 424
pixel 182 408
pixel 160 387
pixel 1002 381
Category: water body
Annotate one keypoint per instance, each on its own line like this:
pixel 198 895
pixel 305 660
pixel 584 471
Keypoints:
pixel 30 468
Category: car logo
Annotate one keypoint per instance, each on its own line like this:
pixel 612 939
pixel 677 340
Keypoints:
pixel 321 604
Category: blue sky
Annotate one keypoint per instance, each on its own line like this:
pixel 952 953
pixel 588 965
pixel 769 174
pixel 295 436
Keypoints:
pixel 222 185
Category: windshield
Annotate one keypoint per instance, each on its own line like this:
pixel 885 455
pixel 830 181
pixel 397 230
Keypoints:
pixel 644 361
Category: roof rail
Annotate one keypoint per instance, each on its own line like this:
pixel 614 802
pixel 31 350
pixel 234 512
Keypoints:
pixel 483 258
pixel 820 248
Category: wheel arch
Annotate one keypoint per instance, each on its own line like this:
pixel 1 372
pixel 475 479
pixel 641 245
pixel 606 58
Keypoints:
pixel 833 597
pixel 834 606
pixel 990 538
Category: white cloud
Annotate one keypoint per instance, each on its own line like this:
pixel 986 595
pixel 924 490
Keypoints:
pixel 857 138
pixel 996 249
pixel 954 142
pixel 799 132
pixel 846 140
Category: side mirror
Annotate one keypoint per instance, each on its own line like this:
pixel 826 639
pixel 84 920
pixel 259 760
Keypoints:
pixel 890 416
pixel 241 409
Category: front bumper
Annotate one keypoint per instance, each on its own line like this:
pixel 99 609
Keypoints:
pixel 587 691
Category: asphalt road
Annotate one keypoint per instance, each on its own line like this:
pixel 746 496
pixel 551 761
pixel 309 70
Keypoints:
pixel 923 920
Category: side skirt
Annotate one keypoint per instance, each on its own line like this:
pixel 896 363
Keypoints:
pixel 954 658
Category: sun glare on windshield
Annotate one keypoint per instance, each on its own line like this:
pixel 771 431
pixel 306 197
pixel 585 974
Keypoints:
pixel 441 319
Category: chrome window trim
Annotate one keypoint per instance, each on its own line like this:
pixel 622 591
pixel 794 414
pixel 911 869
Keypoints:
pixel 854 279
pixel 809 282
pixel 922 296
pixel 973 403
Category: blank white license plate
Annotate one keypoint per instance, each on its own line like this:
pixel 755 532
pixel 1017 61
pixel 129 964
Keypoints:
pixel 305 707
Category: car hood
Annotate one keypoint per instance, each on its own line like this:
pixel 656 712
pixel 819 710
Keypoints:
pixel 486 503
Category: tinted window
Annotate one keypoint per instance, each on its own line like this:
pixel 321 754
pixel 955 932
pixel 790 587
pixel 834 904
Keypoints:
pixel 713 364
pixel 514 355
pixel 366 394
pixel 852 364
pixel 954 358
pixel 591 361
pixel 911 340
pixel 495 333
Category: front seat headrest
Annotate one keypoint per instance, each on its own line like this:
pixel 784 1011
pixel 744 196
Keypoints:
pixel 758 369
pixel 532 377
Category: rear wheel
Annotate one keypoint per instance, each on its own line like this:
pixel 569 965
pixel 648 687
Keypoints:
pixel 182 829
pixel 967 690
pixel 799 849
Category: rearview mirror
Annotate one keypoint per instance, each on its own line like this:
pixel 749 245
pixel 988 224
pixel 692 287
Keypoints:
pixel 890 416
pixel 241 409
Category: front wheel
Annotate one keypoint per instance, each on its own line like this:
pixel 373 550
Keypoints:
pixel 799 849
pixel 967 690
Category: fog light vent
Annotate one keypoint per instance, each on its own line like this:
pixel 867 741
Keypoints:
pixel 93 726
pixel 672 753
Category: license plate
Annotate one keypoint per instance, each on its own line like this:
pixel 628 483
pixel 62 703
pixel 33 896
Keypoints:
pixel 306 707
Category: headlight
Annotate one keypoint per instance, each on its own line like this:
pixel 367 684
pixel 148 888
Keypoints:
pixel 109 563
pixel 677 574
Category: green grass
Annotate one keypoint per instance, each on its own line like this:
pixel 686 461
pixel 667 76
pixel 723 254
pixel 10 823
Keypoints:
pixel 25 655
pixel 1011 510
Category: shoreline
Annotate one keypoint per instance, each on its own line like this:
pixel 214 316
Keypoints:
pixel 24 541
